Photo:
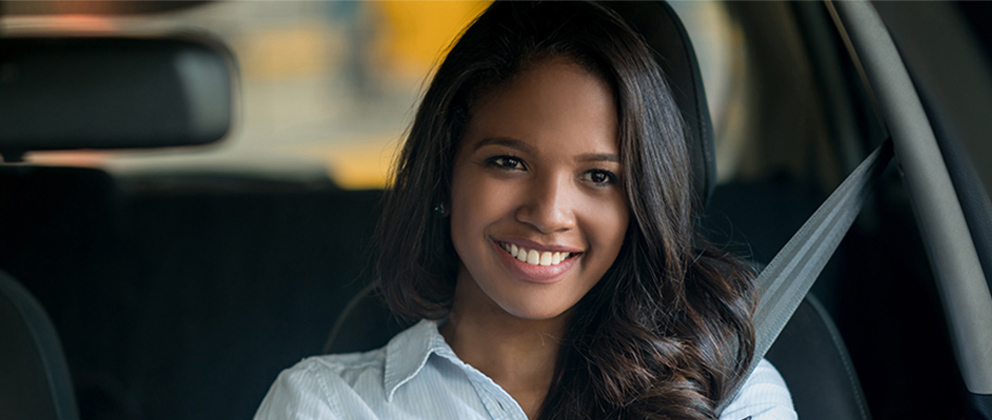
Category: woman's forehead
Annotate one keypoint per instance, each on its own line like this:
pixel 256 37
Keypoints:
pixel 555 100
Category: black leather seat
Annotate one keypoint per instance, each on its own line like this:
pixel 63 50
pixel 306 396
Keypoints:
pixel 811 356
pixel 809 353
pixel 34 377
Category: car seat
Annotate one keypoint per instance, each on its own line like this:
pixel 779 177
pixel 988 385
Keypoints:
pixel 35 384
pixel 809 353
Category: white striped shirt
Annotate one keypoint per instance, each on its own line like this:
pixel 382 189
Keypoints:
pixel 418 376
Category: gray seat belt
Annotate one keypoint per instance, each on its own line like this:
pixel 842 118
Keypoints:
pixel 784 282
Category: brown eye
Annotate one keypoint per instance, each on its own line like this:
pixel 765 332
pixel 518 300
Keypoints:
pixel 600 177
pixel 505 162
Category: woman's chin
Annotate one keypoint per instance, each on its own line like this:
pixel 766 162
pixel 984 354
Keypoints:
pixel 535 311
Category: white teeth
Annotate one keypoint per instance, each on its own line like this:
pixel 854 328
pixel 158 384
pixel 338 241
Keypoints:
pixel 534 257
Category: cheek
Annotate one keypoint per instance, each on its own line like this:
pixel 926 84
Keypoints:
pixel 475 203
pixel 606 213
pixel 459 208
pixel 609 226
pixel 621 220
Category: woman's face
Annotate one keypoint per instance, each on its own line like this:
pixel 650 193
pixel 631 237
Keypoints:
pixel 538 213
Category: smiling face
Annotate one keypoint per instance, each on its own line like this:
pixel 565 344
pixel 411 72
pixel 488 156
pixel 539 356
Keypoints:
pixel 538 213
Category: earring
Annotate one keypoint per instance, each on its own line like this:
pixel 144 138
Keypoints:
pixel 440 209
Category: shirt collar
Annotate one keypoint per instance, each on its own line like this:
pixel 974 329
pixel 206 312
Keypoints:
pixel 407 353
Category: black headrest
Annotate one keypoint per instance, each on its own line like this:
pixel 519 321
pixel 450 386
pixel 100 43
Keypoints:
pixel 661 28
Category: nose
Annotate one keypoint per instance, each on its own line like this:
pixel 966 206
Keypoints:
pixel 548 204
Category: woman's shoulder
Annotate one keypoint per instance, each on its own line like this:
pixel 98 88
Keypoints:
pixel 345 366
pixel 764 396
pixel 349 366
pixel 340 385
pixel 346 362
pixel 316 387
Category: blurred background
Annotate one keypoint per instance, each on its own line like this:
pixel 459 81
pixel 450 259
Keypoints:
pixel 183 280
pixel 327 87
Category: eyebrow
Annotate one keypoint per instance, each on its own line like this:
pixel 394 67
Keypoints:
pixel 504 141
pixel 523 146
pixel 598 157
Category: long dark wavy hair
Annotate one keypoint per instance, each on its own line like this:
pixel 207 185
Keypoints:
pixel 667 332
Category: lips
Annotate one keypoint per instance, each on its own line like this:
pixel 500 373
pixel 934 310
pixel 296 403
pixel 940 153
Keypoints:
pixel 536 264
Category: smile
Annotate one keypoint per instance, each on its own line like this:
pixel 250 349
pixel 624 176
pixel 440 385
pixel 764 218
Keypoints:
pixel 534 257
pixel 545 266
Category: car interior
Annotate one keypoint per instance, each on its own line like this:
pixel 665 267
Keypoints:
pixel 182 294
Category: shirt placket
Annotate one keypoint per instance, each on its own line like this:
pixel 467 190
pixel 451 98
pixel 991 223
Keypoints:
pixel 501 405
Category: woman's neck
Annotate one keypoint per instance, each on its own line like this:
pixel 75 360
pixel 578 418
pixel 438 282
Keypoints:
pixel 518 354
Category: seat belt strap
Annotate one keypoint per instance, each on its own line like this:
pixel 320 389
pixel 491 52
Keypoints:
pixel 784 282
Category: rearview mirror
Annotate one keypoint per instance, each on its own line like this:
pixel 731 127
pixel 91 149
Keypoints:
pixel 112 93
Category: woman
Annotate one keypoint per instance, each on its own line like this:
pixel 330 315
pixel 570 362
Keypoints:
pixel 540 222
